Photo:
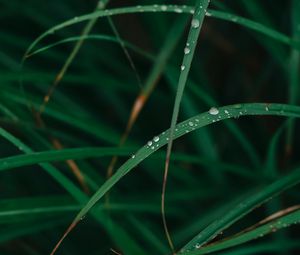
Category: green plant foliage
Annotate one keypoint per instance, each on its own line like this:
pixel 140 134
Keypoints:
pixel 197 99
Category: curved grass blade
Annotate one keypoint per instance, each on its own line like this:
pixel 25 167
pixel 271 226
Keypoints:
pixel 185 127
pixel 242 209
pixel 196 25
pixel 168 8
pixel 234 129
pixel 93 37
pixel 292 217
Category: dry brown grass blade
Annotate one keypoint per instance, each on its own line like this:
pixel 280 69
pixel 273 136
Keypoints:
pixel 73 225
pixel 274 217
pixel 73 167
pixel 38 115
pixel 136 109
pixel 152 81
pixel 58 145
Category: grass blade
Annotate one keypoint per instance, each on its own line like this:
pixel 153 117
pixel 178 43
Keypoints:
pixel 168 8
pixel 292 217
pixel 58 155
pixel 196 25
pixel 185 127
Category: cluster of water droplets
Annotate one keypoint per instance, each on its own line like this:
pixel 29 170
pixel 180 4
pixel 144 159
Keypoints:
pixel 154 143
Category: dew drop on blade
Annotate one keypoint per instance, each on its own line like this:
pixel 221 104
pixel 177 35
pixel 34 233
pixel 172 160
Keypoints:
pixel 213 111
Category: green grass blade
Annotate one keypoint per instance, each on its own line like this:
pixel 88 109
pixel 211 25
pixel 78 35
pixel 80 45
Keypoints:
pixel 59 155
pixel 93 37
pixel 167 8
pixel 185 127
pixel 52 171
pixel 242 209
pixel 119 236
pixel 189 50
pixel 258 232
pixel 94 152
pixel 232 127
pixel 97 129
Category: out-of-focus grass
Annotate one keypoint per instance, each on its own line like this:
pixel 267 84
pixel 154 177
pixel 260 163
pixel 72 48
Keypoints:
pixel 222 175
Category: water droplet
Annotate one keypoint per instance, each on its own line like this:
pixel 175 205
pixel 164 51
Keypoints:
pixel 156 139
pixel 75 18
pixel 267 108
pixel 178 10
pixel 226 112
pixel 208 14
pixel 191 123
pixel 163 7
pixel 149 143
pixel 195 23
pixel 192 11
pixel 152 147
pixel 187 50
pixel 213 111
pixel 133 156
pixel 182 67
pixel 197 246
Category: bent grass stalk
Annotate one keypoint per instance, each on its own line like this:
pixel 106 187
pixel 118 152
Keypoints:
pixel 189 50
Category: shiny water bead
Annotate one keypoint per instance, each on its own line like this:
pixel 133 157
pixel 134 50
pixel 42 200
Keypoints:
pixel 195 23
pixel 213 111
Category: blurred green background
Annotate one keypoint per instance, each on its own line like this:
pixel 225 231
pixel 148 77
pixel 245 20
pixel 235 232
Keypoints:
pixel 212 169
